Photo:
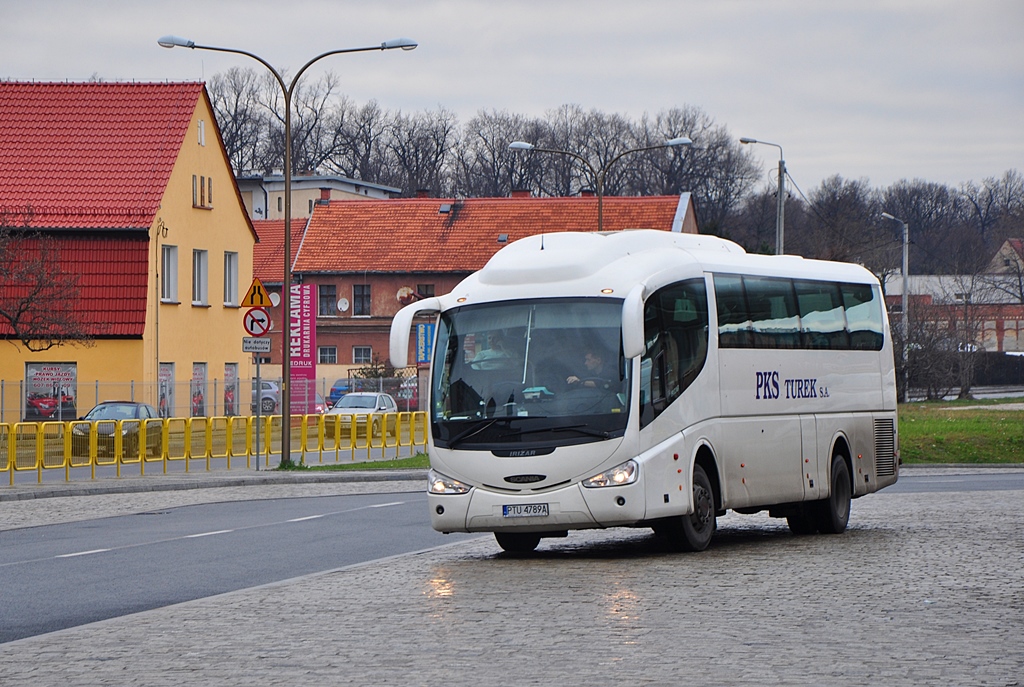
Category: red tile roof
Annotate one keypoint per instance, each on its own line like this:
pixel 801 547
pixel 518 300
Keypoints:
pixel 268 254
pixel 412 235
pixel 110 270
pixel 89 155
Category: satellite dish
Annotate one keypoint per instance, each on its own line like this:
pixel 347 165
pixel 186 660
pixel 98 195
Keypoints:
pixel 275 299
pixel 343 305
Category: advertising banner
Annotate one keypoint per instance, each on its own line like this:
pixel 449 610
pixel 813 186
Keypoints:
pixel 198 389
pixel 165 404
pixel 50 392
pixel 230 389
pixel 302 344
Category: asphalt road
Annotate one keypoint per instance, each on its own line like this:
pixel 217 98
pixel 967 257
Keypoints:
pixel 60 576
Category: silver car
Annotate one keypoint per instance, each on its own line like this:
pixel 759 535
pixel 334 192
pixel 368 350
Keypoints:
pixel 363 404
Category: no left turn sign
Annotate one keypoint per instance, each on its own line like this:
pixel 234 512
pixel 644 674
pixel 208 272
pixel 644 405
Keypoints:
pixel 257 321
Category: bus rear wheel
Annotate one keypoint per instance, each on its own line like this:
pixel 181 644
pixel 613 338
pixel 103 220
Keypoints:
pixel 517 542
pixel 834 511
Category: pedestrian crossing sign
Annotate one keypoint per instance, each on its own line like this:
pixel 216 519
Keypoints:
pixel 257 297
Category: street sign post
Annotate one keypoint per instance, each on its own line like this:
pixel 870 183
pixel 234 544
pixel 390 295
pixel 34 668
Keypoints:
pixel 257 323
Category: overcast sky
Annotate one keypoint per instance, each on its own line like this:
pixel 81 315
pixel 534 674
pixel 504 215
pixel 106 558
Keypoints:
pixel 876 89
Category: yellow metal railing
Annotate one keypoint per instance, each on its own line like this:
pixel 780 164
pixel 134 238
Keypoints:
pixel 221 441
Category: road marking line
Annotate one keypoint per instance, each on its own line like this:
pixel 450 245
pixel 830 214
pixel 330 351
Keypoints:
pixel 308 517
pixel 81 553
pixel 207 534
pixel 385 505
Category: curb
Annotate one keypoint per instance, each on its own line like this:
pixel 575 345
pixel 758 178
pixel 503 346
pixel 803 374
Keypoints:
pixel 206 481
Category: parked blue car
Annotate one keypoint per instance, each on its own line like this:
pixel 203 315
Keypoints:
pixel 339 389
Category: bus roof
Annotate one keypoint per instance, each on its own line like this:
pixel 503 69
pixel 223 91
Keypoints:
pixel 581 264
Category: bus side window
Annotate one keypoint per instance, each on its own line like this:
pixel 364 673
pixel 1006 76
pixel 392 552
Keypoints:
pixel 734 325
pixel 863 316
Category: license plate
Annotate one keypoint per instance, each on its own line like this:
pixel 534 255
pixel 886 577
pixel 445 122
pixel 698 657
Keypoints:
pixel 525 510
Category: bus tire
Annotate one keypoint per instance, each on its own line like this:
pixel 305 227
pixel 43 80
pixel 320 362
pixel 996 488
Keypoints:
pixel 517 542
pixel 803 521
pixel 834 511
pixel 699 527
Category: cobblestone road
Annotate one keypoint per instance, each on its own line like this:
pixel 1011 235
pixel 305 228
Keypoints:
pixel 923 589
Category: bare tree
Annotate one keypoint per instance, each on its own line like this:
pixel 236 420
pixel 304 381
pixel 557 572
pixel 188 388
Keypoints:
pixel 236 97
pixel 38 294
pixel 485 167
pixel 422 148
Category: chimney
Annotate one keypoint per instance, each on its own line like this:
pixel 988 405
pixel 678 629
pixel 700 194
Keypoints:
pixel 423 193
pixel 587 192
pixel 521 193
pixel 325 195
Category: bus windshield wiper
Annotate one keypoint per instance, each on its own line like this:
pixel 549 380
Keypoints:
pixel 582 429
pixel 477 427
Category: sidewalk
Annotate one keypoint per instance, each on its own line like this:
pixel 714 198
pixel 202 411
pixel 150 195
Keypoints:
pixel 202 480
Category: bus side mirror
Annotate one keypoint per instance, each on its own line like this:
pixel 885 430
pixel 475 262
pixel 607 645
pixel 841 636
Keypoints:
pixel 401 327
pixel 633 344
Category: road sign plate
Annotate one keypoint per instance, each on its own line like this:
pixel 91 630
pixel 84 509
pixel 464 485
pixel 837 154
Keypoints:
pixel 257 295
pixel 255 344
pixel 257 321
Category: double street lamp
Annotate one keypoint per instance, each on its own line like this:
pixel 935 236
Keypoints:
pixel 598 175
pixel 780 206
pixel 288 90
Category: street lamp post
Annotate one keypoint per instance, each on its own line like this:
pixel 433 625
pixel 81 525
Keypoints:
pixel 287 89
pixel 598 175
pixel 780 204
pixel 903 300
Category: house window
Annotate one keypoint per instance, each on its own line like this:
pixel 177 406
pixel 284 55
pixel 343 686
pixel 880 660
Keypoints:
pixel 362 355
pixel 195 191
pixel 200 277
pixel 311 206
pixel 202 192
pixel 361 300
pixel 202 132
pixel 209 192
pixel 230 278
pixel 425 290
pixel 328 300
pixel 327 355
pixel 169 274
pixel 280 203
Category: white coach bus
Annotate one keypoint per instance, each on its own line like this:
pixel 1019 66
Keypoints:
pixel 654 379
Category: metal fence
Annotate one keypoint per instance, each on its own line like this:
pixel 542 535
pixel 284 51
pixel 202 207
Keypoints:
pixel 81 449
pixel 206 398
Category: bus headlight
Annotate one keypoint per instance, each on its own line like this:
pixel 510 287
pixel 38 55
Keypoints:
pixel 439 484
pixel 616 477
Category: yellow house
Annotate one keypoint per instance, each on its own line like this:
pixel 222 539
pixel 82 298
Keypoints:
pixel 127 186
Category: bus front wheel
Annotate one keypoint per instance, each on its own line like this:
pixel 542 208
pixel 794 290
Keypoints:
pixel 693 532
pixel 517 542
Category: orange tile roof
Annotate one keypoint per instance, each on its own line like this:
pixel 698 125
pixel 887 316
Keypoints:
pixel 411 235
pixel 89 155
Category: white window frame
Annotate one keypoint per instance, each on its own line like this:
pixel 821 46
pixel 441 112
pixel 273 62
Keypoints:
pixel 200 277
pixel 357 359
pixel 230 278
pixel 327 355
pixel 169 274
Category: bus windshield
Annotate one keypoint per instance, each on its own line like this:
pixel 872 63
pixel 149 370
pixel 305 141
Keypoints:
pixel 530 373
